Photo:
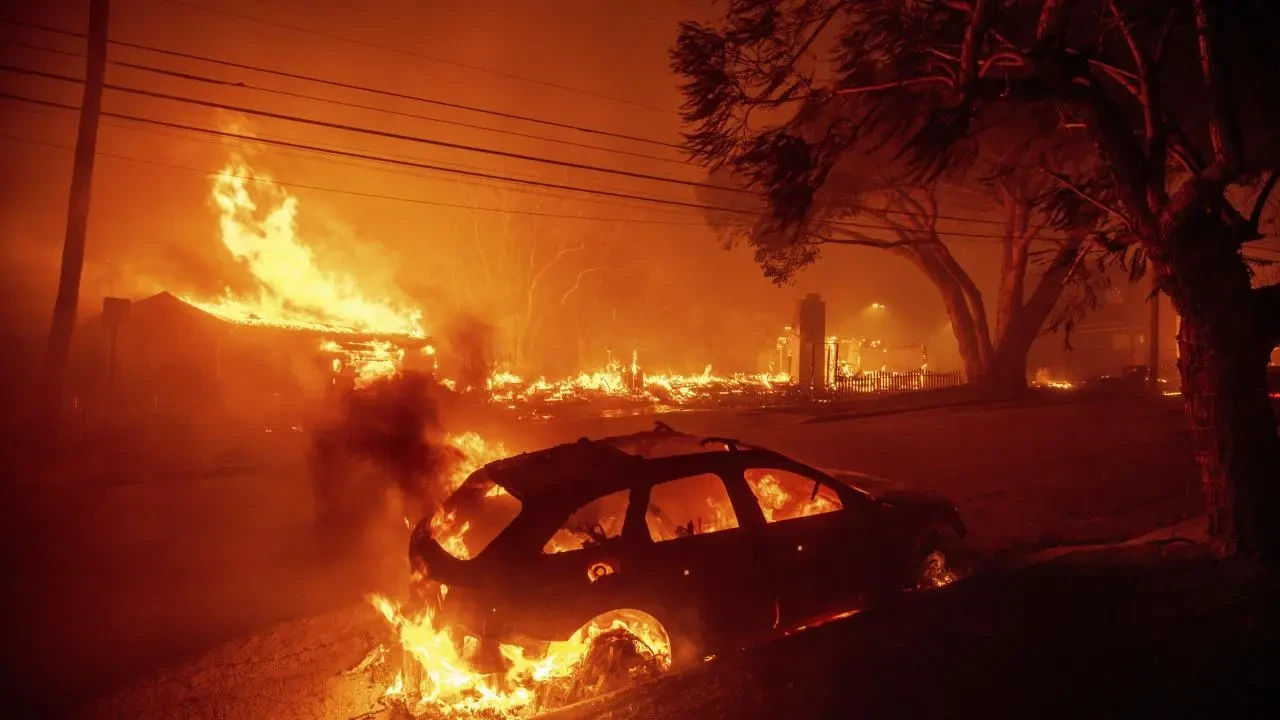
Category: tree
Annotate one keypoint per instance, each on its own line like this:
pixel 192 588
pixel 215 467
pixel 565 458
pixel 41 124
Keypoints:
pixel 932 80
pixel 1007 172
pixel 518 268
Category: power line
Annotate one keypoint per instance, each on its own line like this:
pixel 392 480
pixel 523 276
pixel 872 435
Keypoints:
pixel 456 146
pixel 344 103
pixel 484 175
pixel 408 163
pixel 376 158
pixel 317 157
pixel 350 86
pixel 356 193
pixel 380 133
pixel 957 218
pixel 432 58
pixel 435 203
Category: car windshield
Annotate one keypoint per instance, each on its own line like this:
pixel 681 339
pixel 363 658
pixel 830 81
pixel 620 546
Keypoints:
pixel 477 512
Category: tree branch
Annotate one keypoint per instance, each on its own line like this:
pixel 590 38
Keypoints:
pixel 895 84
pixel 1090 198
pixel 1148 99
pixel 780 75
pixel 1255 217
pixel 862 240
pixel 1053 20
pixel 1126 79
pixel 1224 135
pixel 1049 288
pixel 578 282
pixel 974 35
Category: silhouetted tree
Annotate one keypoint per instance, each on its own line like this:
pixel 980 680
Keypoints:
pixel 1154 90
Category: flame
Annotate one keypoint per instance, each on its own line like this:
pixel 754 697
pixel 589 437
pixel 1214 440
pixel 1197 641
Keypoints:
pixel 475 452
pixel 1044 379
pixel 618 381
pixel 778 504
pixel 293 290
pixel 449 685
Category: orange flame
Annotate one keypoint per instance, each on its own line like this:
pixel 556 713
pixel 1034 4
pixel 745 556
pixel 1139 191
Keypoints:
pixel 450 686
pixel 293 290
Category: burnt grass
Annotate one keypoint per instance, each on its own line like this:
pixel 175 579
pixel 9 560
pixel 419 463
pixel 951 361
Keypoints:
pixel 1121 632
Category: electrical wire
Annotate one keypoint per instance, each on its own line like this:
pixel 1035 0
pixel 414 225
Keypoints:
pixel 424 56
pixel 344 103
pixel 350 86
pixel 356 193
pixel 957 218
pixel 484 175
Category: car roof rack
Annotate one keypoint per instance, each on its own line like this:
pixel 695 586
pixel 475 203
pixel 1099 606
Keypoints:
pixel 730 443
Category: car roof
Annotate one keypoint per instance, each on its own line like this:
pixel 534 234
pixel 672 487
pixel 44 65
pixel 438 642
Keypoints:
pixel 588 469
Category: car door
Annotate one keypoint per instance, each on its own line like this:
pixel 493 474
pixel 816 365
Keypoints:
pixel 818 538
pixel 581 570
pixel 702 567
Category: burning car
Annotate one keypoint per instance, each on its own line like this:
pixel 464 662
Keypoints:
pixel 707 544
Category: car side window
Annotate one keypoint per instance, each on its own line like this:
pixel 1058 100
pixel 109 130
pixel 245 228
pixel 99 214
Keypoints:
pixel 784 495
pixel 592 524
pixel 687 506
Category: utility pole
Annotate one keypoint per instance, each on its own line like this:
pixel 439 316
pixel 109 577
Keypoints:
pixel 1153 333
pixel 64 309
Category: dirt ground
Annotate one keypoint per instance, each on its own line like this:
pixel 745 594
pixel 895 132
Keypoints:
pixel 204 594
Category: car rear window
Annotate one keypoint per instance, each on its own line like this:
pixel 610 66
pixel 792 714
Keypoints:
pixel 473 516
pixel 785 495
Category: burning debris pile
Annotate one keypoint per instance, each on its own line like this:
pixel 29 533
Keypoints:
pixel 629 384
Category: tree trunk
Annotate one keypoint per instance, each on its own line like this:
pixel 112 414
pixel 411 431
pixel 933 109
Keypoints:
pixel 956 303
pixel 1222 358
pixel 1006 376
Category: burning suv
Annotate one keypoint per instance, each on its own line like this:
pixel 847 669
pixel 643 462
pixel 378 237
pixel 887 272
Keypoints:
pixel 712 543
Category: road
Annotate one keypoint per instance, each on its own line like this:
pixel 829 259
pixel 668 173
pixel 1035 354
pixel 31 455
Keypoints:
pixel 183 577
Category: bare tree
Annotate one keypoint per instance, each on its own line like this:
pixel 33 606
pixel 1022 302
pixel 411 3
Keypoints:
pixel 525 264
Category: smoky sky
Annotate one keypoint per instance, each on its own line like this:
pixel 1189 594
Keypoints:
pixel 636 277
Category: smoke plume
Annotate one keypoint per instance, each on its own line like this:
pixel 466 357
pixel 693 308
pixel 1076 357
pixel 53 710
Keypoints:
pixel 385 443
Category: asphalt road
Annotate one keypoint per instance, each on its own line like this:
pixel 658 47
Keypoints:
pixel 180 578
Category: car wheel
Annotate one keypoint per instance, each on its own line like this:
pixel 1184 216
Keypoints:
pixel 626 647
pixel 943 559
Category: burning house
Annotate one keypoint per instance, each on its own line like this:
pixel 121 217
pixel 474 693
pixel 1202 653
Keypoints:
pixel 164 358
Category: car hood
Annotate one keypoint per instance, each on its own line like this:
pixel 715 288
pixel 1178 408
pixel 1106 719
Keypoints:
pixel 888 492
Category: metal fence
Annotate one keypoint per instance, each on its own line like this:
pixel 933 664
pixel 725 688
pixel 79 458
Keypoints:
pixel 891 382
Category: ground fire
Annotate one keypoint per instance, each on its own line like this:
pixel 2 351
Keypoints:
pixel 369 338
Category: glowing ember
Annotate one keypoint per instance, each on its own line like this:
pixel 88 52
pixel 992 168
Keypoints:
pixel 618 381
pixel 1043 379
